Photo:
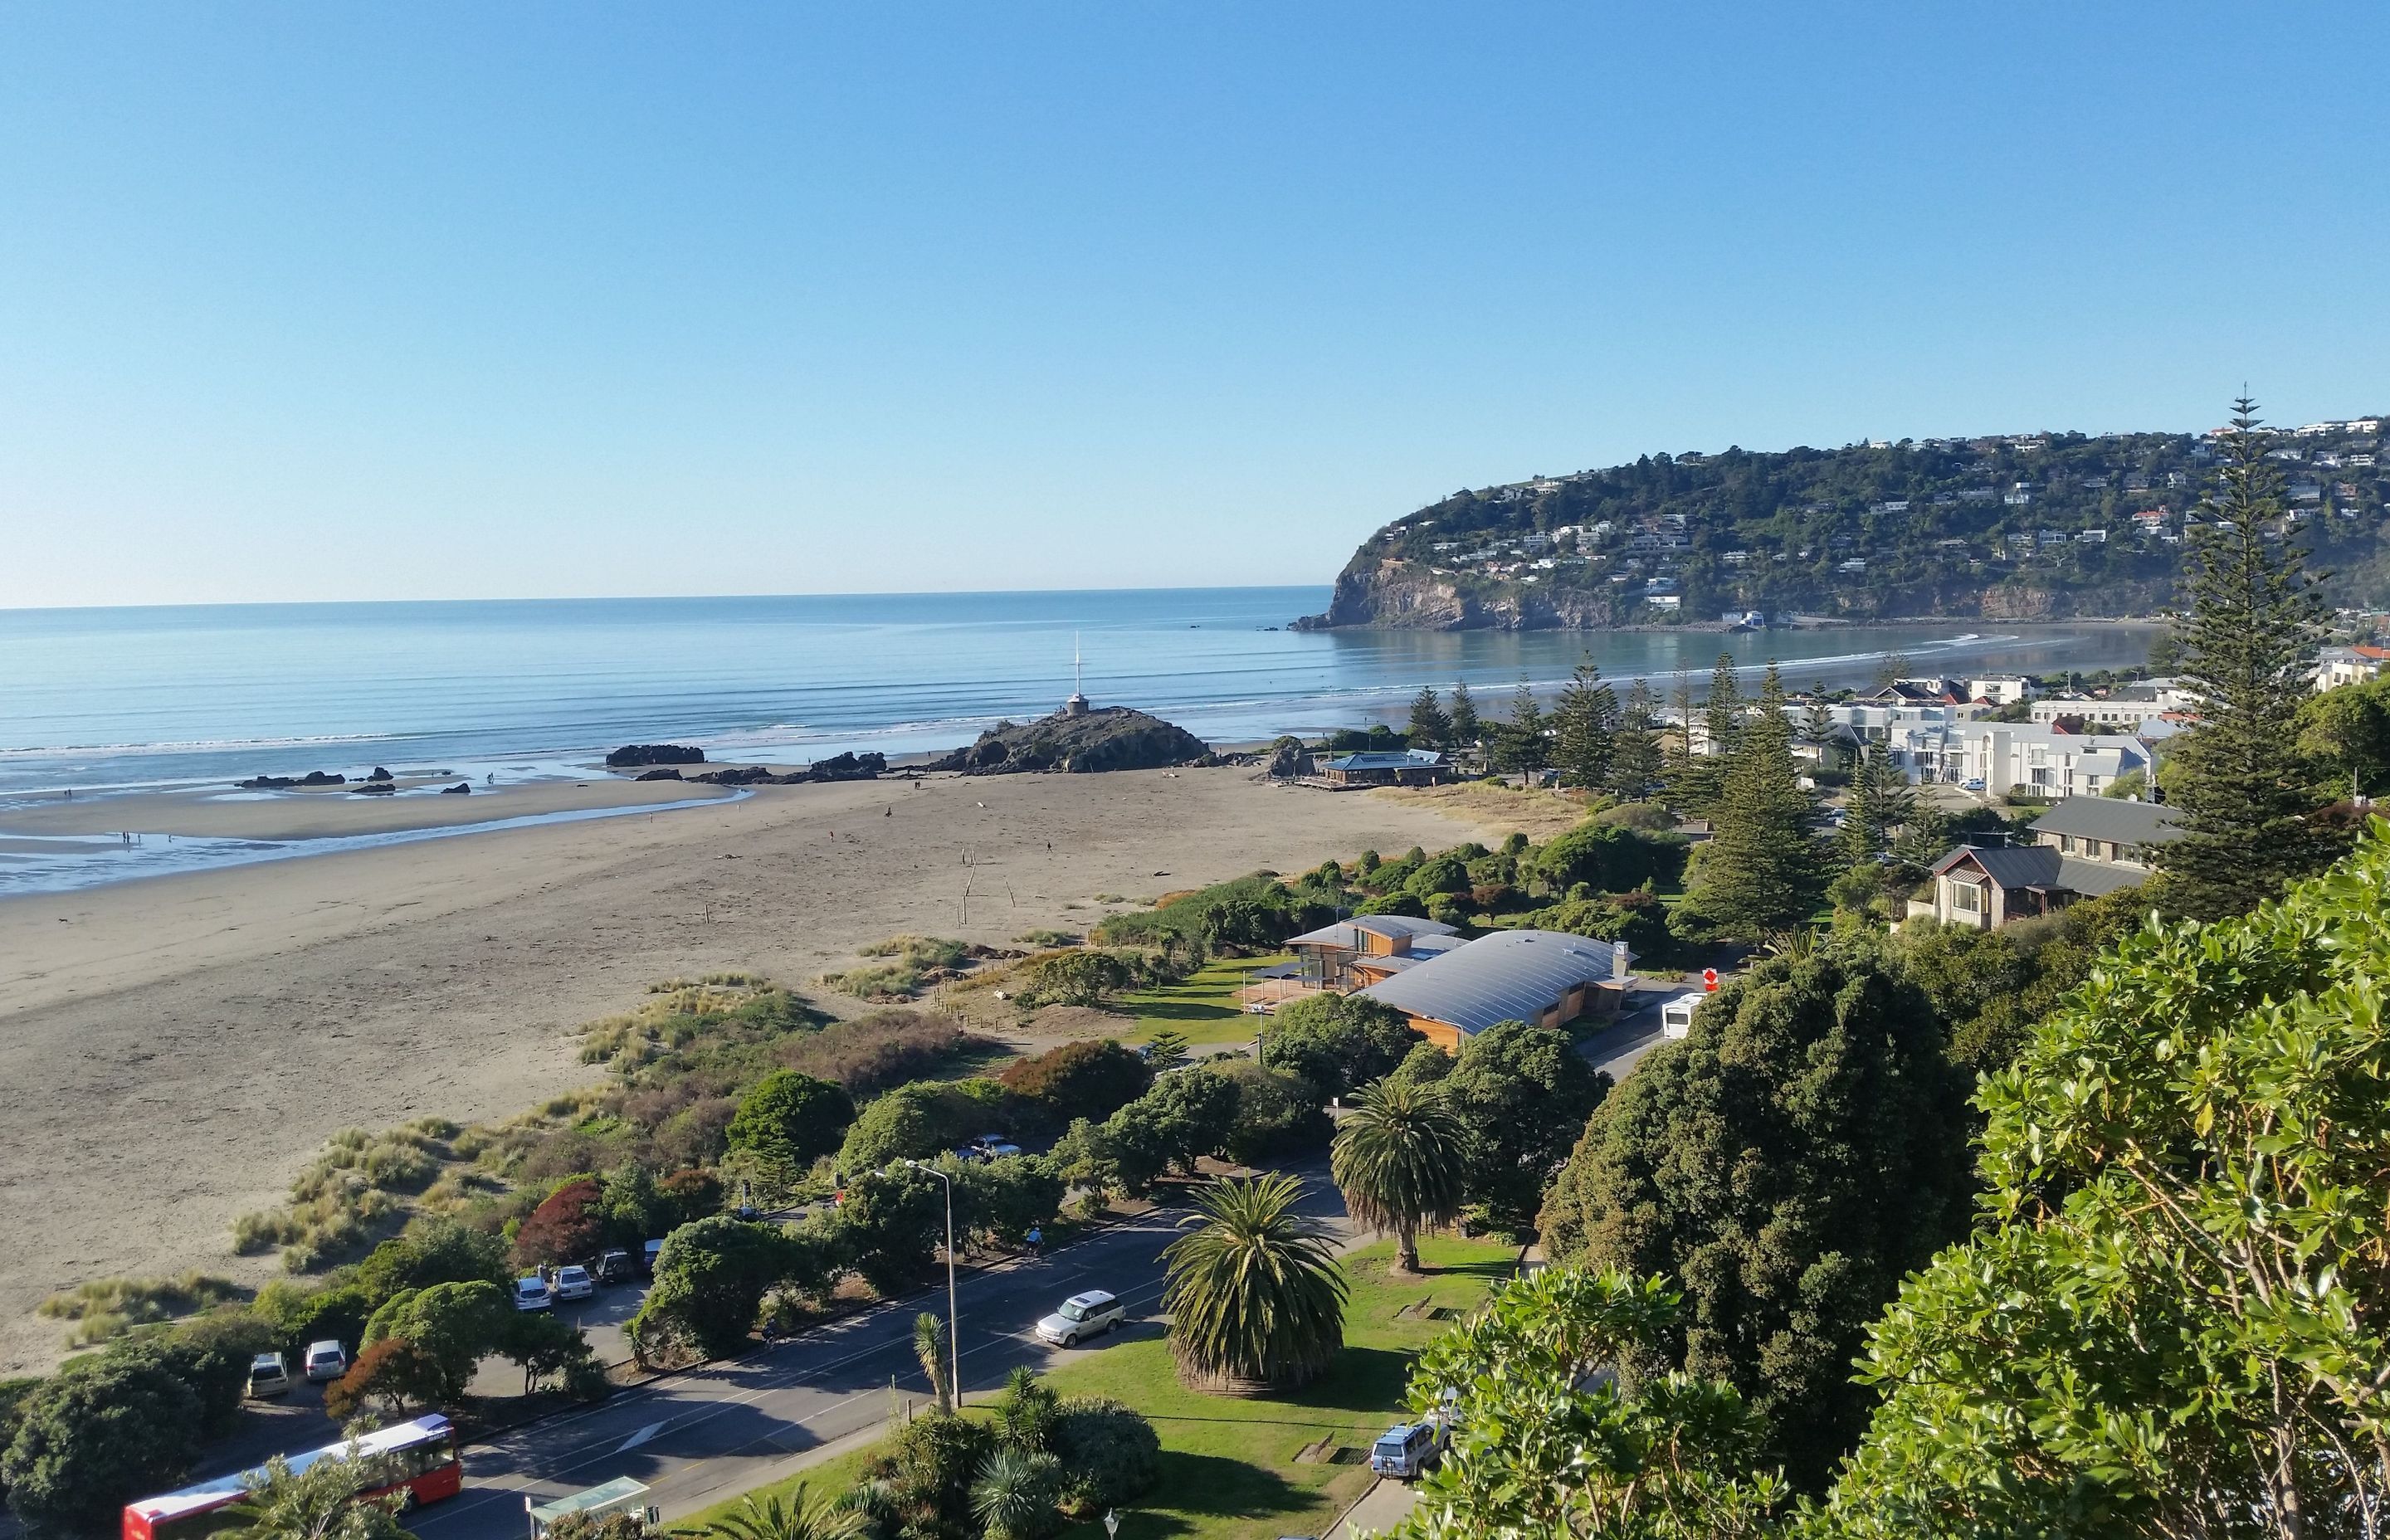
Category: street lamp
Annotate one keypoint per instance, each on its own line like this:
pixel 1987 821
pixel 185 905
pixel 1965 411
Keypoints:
pixel 954 1315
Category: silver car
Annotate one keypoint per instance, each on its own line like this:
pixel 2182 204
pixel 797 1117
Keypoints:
pixel 325 1360
pixel 1082 1316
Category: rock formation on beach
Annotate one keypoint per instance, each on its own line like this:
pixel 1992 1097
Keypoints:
pixel 837 768
pixel 1082 739
pixel 631 755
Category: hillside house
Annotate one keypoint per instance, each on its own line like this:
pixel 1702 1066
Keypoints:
pixel 2084 847
pixel 2362 664
pixel 1366 949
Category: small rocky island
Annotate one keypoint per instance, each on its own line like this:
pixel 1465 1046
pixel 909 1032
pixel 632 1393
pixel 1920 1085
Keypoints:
pixel 1079 738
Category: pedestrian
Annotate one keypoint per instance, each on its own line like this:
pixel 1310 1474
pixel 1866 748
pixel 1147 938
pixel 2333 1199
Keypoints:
pixel 1036 1239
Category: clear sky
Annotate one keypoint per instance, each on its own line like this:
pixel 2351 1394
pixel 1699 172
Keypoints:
pixel 378 301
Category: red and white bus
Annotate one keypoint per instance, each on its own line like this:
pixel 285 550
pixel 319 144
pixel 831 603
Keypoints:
pixel 423 1453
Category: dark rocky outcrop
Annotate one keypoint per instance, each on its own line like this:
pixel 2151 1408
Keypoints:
pixel 379 775
pixel 266 783
pixel 462 788
pixel 664 774
pixel 1114 737
pixel 633 754
pixel 374 788
pixel 837 768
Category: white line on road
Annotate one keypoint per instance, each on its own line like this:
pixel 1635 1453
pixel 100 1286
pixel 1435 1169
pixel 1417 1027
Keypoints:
pixel 650 1431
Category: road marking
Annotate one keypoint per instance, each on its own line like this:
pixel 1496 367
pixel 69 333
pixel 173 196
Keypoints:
pixel 650 1431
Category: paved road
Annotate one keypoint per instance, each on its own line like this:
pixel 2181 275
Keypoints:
pixel 698 1438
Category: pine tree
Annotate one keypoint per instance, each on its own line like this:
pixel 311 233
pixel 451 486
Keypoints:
pixel 1586 721
pixel 1683 777
pixel 1818 725
pixel 1525 748
pixel 1762 873
pixel 1466 728
pixel 1635 766
pixel 1705 774
pixel 2245 801
pixel 1430 727
pixel 1881 801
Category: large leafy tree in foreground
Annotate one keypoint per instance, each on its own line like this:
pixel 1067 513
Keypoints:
pixel 1522 1093
pixel 1397 1159
pixel 2174 1322
pixel 326 1501
pixel 1255 1294
pixel 1543 1447
pixel 2242 788
pixel 1787 1164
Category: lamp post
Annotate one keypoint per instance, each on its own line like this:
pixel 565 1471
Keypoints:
pixel 954 1315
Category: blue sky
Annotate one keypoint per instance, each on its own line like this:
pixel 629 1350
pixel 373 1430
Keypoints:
pixel 363 302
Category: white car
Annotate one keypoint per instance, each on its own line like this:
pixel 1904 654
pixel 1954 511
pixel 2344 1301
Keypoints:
pixel 574 1283
pixel 268 1375
pixel 325 1360
pixel 533 1293
pixel 1082 1316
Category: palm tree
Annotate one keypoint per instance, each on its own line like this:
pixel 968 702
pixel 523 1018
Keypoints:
pixel 1014 1494
pixel 1397 1159
pixel 319 1503
pixel 1256 1295
pixel 930 1347
pixel 806 1516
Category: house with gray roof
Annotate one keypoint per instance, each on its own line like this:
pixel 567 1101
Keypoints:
pixel 1366 948
pixel 1388 767
pixel 2084 847
pixel 1545 978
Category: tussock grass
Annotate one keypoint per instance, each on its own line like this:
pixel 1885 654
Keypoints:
pixel 106 1308
pixel 911 959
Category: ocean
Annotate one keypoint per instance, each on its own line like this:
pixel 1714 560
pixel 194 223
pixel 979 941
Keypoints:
pixel 187 696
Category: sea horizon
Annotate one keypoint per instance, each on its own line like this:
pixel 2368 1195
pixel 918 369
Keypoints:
pixel 165 695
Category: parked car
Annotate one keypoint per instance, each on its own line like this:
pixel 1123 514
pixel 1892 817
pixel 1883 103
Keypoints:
pixel 574 1283
pixel 1970 786
pixel 990 1146
pixel 1082 1316
pixel 268 1375
pixel 325 1360
pixel 533 1293
pixel 648 1257
pixel 1405 1449
pixel 615 1267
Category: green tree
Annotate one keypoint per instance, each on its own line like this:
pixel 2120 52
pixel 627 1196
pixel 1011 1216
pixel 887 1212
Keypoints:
pixel 1523 744
pixel 1337 1042
pixel 1634 762
pixel 326 1501
pixel 2175 1318
pixel 1524 1094
pixel 1723 713
pixel 1397 1159
pixel 1254 1295
pixel 1760 876
pixel 1089 1079
pixel 1586 723
pixel 889 1226
pixel 1165 1050
pixel 929 1350
pixel 1685 773
pixel 1466 728
pixel 1881 801
pixel 2243 797
pixel 2344 736
pixel 798 1515
pixel 1430 728
pixel 452 1325
pixel 711 1278
pixel 1546 1445
pixel 792 1120
pixel 90 1442
pixel 1789 1162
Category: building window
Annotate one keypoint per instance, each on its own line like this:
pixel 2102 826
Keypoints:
pixel 1966 898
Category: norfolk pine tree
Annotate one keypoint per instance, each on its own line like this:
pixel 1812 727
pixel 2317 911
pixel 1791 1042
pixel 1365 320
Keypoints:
pixel 1635 766
pixel 1586 721
pixel 1523 745
pixel 2243 790
pixel 1466 728
pixel 1761 875
pixel 1430 727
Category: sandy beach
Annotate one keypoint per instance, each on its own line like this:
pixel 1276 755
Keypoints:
pixel 177 1047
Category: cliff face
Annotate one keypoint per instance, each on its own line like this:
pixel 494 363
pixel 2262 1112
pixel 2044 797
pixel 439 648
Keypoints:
pixel 1404 594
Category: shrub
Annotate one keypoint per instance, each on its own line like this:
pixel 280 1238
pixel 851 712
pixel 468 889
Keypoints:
pixel 1278 1112
pixel 711 1278
pixel 88 1443
pixel 567 1226
pixel 790 1120
pixel 387 1380
pixel 451 1325
pixel 1610 857
pixel 1076 978
pixel 887 1226
pixel 1337 1042
pixel 881 1049
pixel 1111 1453
pixel 1077 1080
pixel 105 1307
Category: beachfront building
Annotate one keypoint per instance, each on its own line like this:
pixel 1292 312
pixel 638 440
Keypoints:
pixel 1545 977
pixel 2336 666
pixel 1396 767
pixel 2123 709
pixel 1363 950
pixel 2084 847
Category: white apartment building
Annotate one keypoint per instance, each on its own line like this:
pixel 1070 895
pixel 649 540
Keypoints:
pixel 2001 689
pixel 2127 708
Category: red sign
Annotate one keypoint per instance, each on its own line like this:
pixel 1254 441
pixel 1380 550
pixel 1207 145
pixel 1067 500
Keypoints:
pixel 1709 981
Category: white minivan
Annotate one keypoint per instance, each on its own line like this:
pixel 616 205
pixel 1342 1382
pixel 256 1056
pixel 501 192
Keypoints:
pixel 1082 1316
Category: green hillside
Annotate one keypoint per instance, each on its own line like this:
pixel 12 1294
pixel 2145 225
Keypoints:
pixel 2015 527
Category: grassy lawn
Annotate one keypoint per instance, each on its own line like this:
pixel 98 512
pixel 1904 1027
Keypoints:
pixel 1228 1470
pixel 1202 1007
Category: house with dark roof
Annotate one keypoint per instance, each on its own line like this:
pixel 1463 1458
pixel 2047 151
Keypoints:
pixel 2084 847
pixel 1362 950
pixel 1396 767
pixel 1545 978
